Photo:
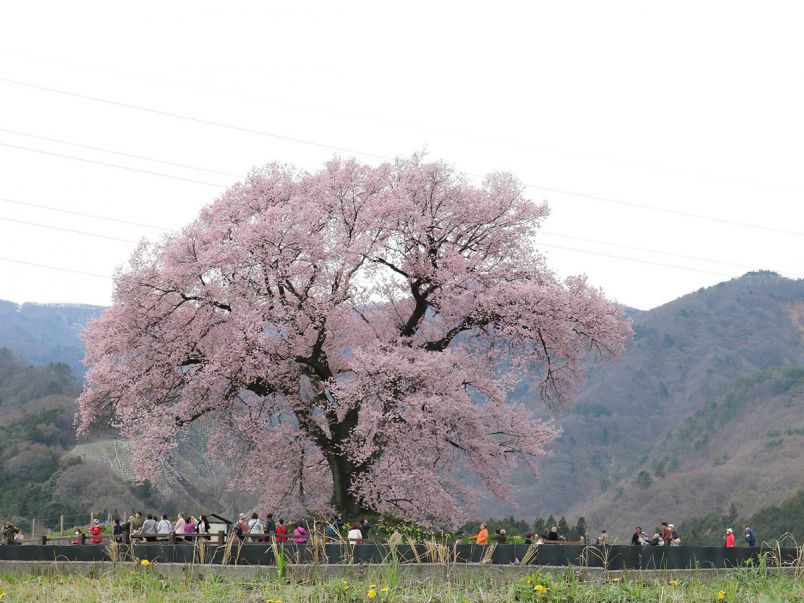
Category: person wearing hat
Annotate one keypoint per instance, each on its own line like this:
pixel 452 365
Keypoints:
pixel 729 538
pixel 501 537
pixel 95 531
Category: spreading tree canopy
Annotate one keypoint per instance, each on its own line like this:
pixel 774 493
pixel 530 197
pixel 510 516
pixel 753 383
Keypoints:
pixel 357 330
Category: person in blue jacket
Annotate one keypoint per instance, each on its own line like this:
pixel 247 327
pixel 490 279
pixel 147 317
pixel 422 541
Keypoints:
pixel 750 538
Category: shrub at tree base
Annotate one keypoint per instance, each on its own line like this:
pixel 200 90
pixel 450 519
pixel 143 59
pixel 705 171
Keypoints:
pixel 357 330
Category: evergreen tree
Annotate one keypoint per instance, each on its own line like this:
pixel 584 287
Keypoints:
pixel 563 528
pixel 539 526
pixel 580 528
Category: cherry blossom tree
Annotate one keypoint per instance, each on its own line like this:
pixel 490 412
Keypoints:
pixel 358 331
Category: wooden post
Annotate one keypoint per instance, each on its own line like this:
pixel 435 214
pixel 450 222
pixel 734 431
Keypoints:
pixel 61 525
pixel 221 537
pixel 33 529
pixel 83 538
pixel 91 517
pixel 44 539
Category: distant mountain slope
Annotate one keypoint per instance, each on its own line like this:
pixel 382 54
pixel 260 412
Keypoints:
pixel 44 333
pixel 683 355
pixel 743 448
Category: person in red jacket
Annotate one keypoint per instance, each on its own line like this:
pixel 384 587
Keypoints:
pixel 729 538
pixel 281 530
pixel 95 532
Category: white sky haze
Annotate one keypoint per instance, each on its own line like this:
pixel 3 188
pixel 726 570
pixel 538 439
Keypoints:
pixel 605 110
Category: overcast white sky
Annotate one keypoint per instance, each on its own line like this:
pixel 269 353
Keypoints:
pixel 688 107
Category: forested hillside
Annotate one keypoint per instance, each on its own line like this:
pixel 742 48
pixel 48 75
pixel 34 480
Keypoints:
pixel 37 404
pixel 704 376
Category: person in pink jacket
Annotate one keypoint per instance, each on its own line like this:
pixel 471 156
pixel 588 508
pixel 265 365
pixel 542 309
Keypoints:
pixel 300 534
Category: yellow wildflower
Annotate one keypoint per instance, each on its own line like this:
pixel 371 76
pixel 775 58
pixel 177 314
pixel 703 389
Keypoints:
pixel 540 589
pixel 145 562
pixel 2 595
pixel 371 594
pixel 721 595
pixel 617 579
pixel 372 586
pixel 384 589
pixel 530 580
pixel 673 582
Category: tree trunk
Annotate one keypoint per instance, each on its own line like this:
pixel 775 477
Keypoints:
pixel 342 473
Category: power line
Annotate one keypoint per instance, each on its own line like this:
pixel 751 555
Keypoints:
pixel 199 120
pixel 114 165
pixel 670 253
pixel 400 123
pixel 47 266
pixel 70 230
pixel 384 157
pixel 661 209
pixel 621 257
pixel 675 266
pixel 83 214
pixel 543 232
pixel 121 153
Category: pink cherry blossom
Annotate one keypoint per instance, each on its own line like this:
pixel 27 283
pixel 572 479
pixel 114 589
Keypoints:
pixel 358 331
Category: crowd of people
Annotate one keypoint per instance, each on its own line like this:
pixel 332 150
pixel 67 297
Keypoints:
pixel 668 536
pixel 252 528
pixel 152 528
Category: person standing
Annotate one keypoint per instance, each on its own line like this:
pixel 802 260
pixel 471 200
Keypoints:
pixel 667 534
pixel 254 527
pixel 300 533
pixel 638 538
pixel 729 538
pixel 117 531
pixel 136 523
pixel 364 528
pixel 270 527
pixel 482 536
pixel 180 526
pixel 750 537
pixel 9 532
pixel 203 526
pixel 281 531
pixel 149 528
pixel 164 528
pixel 95 531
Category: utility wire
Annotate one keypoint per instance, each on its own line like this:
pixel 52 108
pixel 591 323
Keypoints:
pixel 669 253
pixel 121 153
pixel 83 214
pixel 199 120
pixel 621 257
pixel 400 123
pixel 70 230
pixel 548 233
pixel 114 165
pixel 49 267
pixel 543 232
pixel 383 157
pixel 588 252
pixel 664 210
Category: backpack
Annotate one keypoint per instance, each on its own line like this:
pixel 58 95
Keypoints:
pixel 239 530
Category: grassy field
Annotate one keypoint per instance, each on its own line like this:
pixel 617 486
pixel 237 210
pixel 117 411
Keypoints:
pixel 147 584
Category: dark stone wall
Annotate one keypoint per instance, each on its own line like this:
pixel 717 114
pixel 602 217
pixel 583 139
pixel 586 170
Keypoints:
pixel 616 557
